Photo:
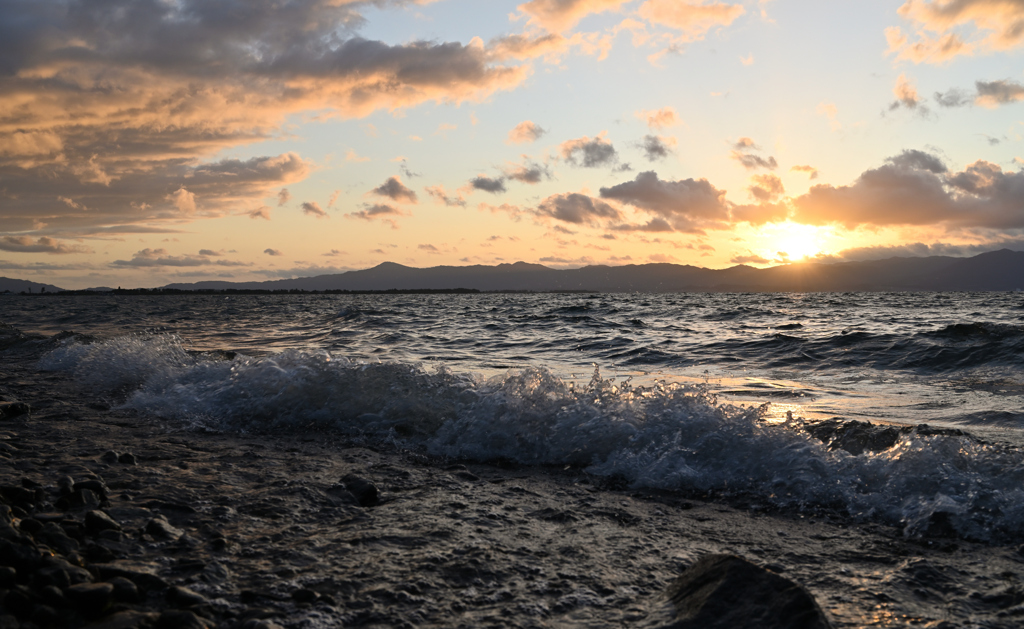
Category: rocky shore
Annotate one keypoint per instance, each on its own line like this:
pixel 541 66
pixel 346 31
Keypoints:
pixel 112 520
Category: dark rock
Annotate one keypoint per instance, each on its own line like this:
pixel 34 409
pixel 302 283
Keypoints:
pixel 96 521
pixel 160 528
pixel 58 571
pixel 8 576
pixel 53 595
pixel 90 598
pixel 53 536
pixel 127 459
pixel 66 485
pixel 305 596
pixel 30 526
pixel 184 597
pixel 129 619
pixel 125 590
pixel 109 457
pixel 855 437
pixel 9 622
pixel 10 410
pixel 19 603
pixel 21 556
pixel 725 592
pixel 94 485
pixel 180 619
pixel 364 491
pixel 142 576
pixel 467 476
pixel 18 496
pixel 256 623
pixel 77 499
pixel 45 616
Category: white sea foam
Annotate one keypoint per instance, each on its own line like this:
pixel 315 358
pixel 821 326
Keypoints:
pixel 667 436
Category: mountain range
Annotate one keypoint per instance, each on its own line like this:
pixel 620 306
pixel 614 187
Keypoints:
pixel 993 271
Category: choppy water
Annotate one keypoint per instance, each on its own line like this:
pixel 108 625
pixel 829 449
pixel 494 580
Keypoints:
pixel 680 401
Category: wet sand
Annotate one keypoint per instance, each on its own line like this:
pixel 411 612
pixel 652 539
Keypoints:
pixel 268 528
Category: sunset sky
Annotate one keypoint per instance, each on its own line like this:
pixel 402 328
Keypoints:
pixel 146 142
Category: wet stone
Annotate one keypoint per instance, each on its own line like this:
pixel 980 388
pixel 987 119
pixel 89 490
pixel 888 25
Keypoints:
pixel 127 459
pixel 97 521
pixel 109 456
pixel 184 597
pixel 90 598
pixel 725 591
pixel 10 410
pixel 181 619
pixel 160 528
pixel 124 590
pixel 129 619
pixel 364 491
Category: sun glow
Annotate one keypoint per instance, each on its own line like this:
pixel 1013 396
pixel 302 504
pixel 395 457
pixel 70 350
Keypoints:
pixel 794 242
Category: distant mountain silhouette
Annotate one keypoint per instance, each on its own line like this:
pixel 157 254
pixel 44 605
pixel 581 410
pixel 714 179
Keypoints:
pixel 994 271
pixel 18 286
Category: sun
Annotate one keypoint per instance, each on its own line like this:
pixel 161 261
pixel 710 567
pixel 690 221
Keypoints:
pixel 795 242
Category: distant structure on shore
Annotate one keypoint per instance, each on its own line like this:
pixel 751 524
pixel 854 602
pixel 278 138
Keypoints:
pixel 994 271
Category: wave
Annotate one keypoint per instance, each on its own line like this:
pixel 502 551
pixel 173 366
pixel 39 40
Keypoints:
pixel 665 436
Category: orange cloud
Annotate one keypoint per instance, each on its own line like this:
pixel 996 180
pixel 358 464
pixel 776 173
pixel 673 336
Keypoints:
pixel 692 20
pixel 948 28
pixel 557 16
pixel 658 118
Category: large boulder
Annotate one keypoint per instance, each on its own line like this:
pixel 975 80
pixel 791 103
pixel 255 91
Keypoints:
pixel 725 592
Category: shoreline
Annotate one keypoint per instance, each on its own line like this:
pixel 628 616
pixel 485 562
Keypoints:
pixel 266 530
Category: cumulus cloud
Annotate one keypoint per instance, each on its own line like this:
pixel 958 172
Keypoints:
pixel 395 190
pixel 273 252
pixel 557 16
pixel 45 244
pixel 812 172
pixel 658 118
pixel 953 97
pixel 488 184
pixel 657 147
pixel 149 258
pixel 692 20
pixel 117 101
pixel 385 213
pixel 744 151
pixel 576 208
pixel 686 204
pixel 528 172
pixel 313 209
pixel 766 188
pixel 431 249
pixel 524 132
pixel 945 29
pixel 440 195
pixel 994 93
pixel 259 212
pixel 588 153
pixel 916 188
pixel 906 96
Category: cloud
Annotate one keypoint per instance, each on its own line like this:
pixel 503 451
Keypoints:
pixel 210 252
pixel 45 244
pixel 812 172
pixel 386 214
pixel 692 20
pixel 953 97
pixel 260 212
pixel 906 96
pixel 557 16
pixel 395 190
pixel 283 196
pixel 920 249
pixel 576 208
pixel 431 249
pixel 657 147
pixel 524 132
pixel 995 93
pixel 439 195
pixel 273 252
pixel 658 118
pixel 333 253
pixel 149 258
pixel 588 153
pixel 830 111
pixel 749 259
pixel 753 162
pixel 487 184
pixel 529 172
pixel 313 209
pixel 948 28
pixel 916 188
pixel 352 156
pixel 766 188
pixel 687 204
pixel 117 101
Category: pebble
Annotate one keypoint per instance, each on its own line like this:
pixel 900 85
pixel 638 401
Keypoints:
pixel 184 597
pixel 96 521
pixel 364 491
